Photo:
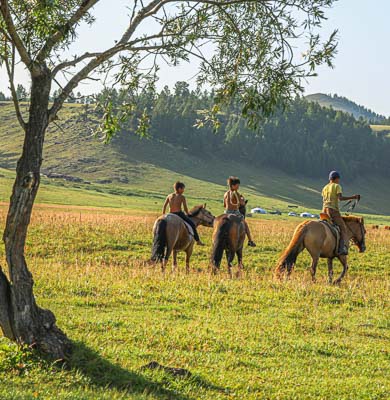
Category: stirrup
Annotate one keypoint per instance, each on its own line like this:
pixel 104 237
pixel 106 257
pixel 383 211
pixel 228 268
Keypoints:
pixel 343 251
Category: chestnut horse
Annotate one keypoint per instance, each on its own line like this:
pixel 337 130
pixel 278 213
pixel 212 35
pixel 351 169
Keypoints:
pixel 170 234
pixel 229 236
pixel 320 242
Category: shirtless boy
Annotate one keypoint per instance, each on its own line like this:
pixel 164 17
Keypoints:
pixel 176 201
pixel 232 201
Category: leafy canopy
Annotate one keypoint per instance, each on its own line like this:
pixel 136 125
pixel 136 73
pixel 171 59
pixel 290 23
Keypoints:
pixel 246 48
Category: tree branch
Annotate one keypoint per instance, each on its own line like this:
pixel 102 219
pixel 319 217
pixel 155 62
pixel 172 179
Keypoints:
pixel 4 9
pixel 125 42
pixel 85 6
pixel 10 72
pixel 73 63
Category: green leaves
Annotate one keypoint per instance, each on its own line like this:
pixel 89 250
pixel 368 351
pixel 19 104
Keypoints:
pixel 37 20
pixel 112 120
pixel 251 51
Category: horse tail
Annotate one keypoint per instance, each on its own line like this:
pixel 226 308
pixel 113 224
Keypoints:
pixel 221 241
pixel 296 245
pixel 159 240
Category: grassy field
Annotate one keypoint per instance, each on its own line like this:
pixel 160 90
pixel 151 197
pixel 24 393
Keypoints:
pixel 248 338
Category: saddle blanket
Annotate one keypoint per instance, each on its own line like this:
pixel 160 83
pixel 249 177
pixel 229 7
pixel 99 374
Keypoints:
pixel 335 230
pixel 188 226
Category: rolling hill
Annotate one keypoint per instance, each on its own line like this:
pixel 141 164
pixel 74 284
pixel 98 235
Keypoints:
pixel 131 172
pixel 343 104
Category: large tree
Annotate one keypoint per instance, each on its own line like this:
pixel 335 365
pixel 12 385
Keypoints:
pixel 252 60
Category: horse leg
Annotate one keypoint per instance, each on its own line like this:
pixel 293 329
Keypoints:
pixel 240 265
pixel 165 260
pixel 188 256
pixel 229 259
pixel 313 267
pixel 343 260
pixel 174 262
pixel 330 270
pixel 289 270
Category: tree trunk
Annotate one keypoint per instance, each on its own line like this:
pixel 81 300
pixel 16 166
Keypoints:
pixel 20 317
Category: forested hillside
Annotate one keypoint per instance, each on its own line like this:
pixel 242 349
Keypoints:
pixel 143 170
pixel 304 140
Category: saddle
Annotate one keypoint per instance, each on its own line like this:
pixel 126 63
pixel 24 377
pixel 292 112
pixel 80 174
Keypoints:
pixel 187 225
pixel 325 219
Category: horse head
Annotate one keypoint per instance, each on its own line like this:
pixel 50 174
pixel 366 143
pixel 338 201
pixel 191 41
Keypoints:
pixel 356 225
pixel 203 215
pixel 242 207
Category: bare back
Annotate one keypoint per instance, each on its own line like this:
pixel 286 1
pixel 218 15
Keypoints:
pixel 231 200
pixel 176 201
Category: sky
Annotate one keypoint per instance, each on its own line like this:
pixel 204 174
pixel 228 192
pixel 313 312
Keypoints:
pixel 362 64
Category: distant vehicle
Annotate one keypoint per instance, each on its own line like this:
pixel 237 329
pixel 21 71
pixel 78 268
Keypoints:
pixel 306 215
pixel 315 216
pixel 275 212
pixel 292 214
pixel 258 210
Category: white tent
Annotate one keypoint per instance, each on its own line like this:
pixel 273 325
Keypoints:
pixel 258 210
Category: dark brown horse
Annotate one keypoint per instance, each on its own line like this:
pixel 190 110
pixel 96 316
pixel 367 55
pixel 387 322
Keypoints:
pixel 170 234
pixel 228 236
pixel 320 242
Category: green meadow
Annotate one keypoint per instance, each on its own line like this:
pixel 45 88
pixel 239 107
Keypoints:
pixel 248 338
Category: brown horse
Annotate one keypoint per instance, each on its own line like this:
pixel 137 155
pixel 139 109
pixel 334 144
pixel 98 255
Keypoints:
pixel 229 235
pixel 170 234
pixel 320 242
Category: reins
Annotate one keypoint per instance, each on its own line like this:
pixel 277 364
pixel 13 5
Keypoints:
pixel 350 206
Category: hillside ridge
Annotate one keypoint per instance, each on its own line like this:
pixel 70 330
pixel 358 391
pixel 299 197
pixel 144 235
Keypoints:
pixel 346 105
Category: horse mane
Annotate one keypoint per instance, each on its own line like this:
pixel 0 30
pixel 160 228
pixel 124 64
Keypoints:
pixel 352 218
pixel 195 211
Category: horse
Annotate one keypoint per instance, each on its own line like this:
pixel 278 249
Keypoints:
pixel 229 236
pixel 319 240
pixel 170 234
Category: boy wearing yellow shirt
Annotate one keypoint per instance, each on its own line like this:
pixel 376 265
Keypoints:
pixel 332 194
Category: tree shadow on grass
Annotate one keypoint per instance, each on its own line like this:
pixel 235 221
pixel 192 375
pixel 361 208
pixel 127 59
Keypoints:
pixel 104 374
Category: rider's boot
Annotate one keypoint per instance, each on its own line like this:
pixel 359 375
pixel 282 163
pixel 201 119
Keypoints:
pixel 343 249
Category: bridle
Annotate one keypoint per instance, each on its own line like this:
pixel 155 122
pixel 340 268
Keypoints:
pixel 362 244
pixel 203 215
pixel 209 217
